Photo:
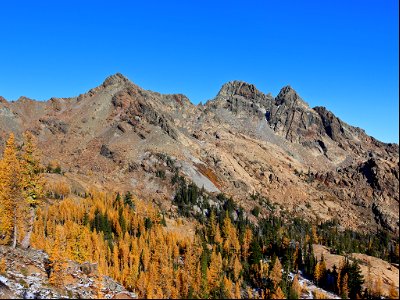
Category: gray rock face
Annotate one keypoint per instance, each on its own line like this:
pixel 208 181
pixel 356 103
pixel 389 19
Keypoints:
pixel 133 107
pixel 372 185
pixel 289 116
pixel 117 78
pixel 27 277
pixel 242 98
pixel 106 152
pixel 55 126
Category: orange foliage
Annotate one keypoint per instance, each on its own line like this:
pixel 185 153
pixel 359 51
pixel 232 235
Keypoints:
pixel 152 261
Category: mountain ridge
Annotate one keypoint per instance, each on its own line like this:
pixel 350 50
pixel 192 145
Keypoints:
pixel 241 142
pixel 119 78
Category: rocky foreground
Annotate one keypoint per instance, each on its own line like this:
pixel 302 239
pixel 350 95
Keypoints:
pixel 26 276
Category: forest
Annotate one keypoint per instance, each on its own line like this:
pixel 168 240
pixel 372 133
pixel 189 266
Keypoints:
pixel 228 256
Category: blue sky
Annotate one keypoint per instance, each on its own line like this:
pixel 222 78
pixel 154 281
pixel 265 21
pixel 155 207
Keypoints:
pixel 339 54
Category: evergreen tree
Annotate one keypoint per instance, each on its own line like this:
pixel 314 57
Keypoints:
pixel 255 252
pixel 355 280
pixel 128 200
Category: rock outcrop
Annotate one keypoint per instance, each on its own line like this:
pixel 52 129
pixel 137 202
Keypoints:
pixel 26 276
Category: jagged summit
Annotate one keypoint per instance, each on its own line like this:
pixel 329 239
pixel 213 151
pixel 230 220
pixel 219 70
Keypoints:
pixel 239 88
pixel 288 96
pixel 116 78
pixel 24 99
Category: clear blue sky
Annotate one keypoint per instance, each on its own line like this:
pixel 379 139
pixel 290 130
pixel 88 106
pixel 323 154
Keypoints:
pixel 338 54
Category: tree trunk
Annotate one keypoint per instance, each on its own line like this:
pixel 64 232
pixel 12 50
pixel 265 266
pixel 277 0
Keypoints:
pixel 26 242
pixel 14 244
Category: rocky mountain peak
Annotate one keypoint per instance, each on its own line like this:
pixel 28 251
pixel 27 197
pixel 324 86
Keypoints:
pixel 117 78
pixel 24 99
pixel 239 88
pixel 288 96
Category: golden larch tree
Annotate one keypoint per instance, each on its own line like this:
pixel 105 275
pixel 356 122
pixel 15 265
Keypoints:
pixel 214 271
pixel 278 294
pixel 248 236
pixel 344 287
pixel 57 259
pixel 10 193
pixel 296 287
pixel 276 273
pixel 317 272
pixel 32 182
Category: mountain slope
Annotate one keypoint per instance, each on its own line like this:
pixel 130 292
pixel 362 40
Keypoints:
pixel 122 137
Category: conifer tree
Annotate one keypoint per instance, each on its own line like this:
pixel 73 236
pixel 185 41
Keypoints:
pixel 317 273
pixel 248 236
pixel 276 273
pixel 229 290
pixel 344 287
pixel 214 271
pixel 295 289
pixel 320 270
pixel 355 280
pixel 314 235
pixel 237 290
pixel 57 259
pixel 278 294
pixel 237 268
pixel 10 193
pixel 32 181
pixel 255 252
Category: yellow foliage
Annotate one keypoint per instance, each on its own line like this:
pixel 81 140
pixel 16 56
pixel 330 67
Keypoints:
pixel 10 191
pixel 296 287
pixel 345 288
pixel 156 263
pixel 276 273
pixel 248 236
pixel 58 189
pixel 3 267
pixel 214 271
pixel 318 272
pixel 377 289
pixel 393 291
pixel 278 294
pixel 314 234
pixel 21 186
pixel 319 295
pixel 57 258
